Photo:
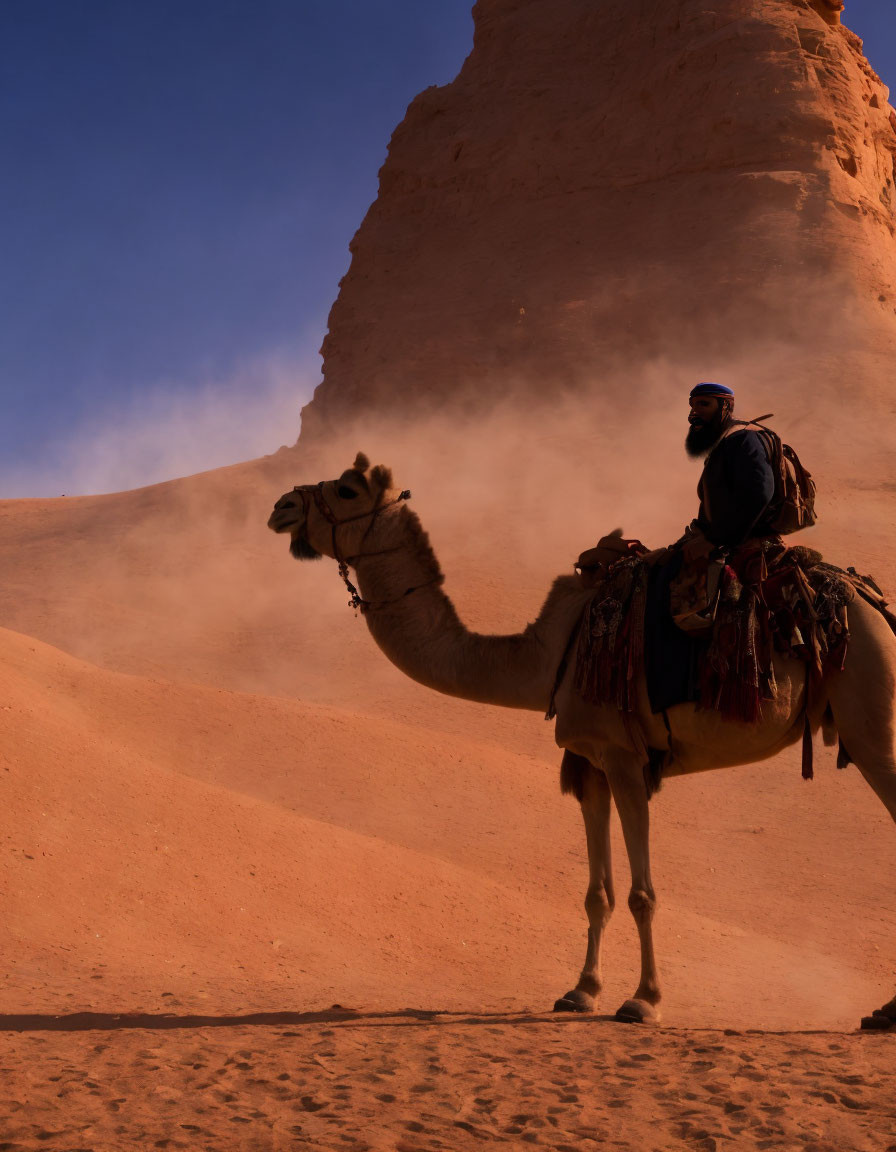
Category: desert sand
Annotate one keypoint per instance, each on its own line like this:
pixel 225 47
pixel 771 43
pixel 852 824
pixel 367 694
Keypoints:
pixel 413 1082
pixel 260 891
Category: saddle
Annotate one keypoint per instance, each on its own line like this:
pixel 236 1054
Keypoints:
pixel 762 598
pixel 594 564
pixel 694 590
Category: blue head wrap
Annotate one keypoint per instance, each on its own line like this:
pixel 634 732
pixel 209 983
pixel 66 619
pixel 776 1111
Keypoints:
pixel 721 391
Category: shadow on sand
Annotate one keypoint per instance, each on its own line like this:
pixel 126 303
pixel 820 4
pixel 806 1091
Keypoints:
pixel 110 1022
pixel 397 1018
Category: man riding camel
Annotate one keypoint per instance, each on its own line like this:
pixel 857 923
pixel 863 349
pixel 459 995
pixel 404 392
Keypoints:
pixel 737 487
pixel 741 491
pixel 705 618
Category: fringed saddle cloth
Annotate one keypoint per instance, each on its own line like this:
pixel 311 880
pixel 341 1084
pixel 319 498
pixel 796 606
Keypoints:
pixel 770 598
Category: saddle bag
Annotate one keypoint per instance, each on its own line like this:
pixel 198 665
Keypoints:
pixel 694 591
pixel 700 614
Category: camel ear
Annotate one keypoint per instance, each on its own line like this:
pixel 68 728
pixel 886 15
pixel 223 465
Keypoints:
pixel 361 463
pixel 382 476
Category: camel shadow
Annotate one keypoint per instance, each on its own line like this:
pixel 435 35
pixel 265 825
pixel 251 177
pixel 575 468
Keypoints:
pixel 161 1021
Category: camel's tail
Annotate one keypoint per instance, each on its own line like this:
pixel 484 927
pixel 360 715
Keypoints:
pixel 573 770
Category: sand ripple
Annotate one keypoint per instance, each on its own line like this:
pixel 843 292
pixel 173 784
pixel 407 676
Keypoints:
pixel 413 1082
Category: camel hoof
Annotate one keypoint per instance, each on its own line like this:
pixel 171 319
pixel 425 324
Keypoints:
pixel 575 1001
pixel 638 1012
pixel 888 1010
pixel 877 1022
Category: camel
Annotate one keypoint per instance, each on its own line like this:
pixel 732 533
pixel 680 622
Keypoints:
pixel 366 525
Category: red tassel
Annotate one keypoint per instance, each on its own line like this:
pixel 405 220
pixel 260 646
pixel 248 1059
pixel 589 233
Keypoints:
pixel 808 771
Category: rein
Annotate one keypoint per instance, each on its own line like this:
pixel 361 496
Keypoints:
pixel 356 601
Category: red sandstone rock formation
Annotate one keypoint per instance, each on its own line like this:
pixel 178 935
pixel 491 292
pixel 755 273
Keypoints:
pixel 829 10
pixel 607 183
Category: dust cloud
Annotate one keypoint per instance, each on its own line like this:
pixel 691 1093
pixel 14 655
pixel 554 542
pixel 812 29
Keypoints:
pixel 183 579
pixel 167 430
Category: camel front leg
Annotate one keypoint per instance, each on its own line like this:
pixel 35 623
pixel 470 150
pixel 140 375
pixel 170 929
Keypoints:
pixel 626 777
pixel 591 787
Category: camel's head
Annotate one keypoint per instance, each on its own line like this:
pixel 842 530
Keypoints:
pixel 334 517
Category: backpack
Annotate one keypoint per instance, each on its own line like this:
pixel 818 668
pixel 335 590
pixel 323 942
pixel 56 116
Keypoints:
pixel 793 504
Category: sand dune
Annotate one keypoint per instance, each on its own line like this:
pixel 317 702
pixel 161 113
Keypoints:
pixel 249 848
pixel 124 869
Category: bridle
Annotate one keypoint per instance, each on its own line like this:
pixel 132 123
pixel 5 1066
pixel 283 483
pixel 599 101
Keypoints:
pixel 314 494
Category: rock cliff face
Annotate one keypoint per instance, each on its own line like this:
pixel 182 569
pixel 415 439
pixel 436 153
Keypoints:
pixel 608 183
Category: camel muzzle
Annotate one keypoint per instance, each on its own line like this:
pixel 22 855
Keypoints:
pixel 289 513
pixel 277 522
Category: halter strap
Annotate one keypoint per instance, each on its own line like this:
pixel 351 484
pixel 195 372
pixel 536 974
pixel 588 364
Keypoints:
pixel 356 601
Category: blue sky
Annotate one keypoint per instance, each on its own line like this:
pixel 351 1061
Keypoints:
pixel 875 22
pixel 181 181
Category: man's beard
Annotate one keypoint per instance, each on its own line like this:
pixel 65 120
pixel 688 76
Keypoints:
pixel 703 436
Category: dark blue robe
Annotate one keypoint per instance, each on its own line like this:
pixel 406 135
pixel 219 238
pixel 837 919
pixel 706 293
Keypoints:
pixel 736 490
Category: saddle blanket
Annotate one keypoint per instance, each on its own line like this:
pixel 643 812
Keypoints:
pixel 771 598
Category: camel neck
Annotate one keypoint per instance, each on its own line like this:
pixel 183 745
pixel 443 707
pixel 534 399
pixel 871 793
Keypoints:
pixel 422 635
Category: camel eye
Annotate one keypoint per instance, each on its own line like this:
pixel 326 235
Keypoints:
pixel 346 493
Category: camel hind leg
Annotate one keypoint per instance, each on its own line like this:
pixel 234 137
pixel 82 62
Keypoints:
pixel 863 701
pixel 589 785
